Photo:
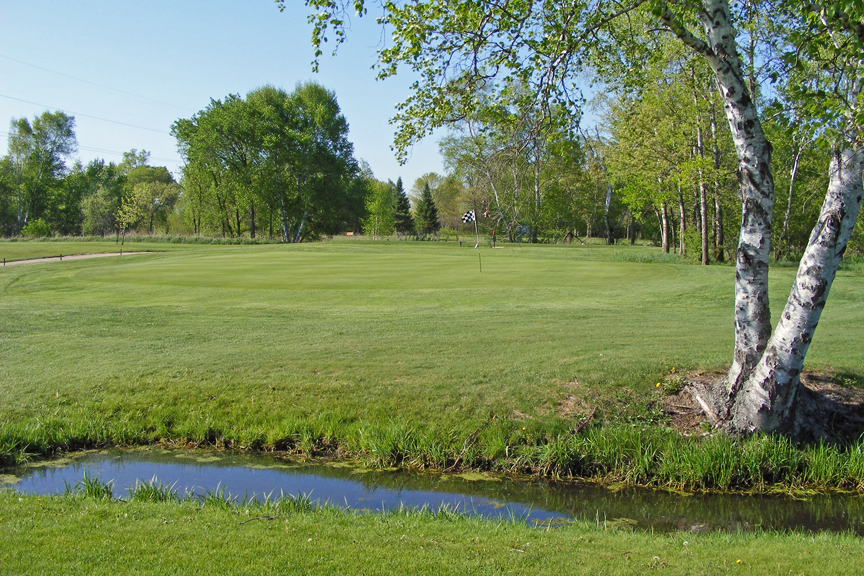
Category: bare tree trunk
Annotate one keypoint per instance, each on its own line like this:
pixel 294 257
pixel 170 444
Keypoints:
pixel 664 227
pixel 719 238
pixel 283 216
pixel 703 203
pixel 682 247
pixel 610 239
pixel 252 220
pixel 784 236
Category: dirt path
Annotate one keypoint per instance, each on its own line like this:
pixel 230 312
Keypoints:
pixel 71 257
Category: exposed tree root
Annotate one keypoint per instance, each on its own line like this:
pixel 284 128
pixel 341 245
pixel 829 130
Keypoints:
pixel 829 407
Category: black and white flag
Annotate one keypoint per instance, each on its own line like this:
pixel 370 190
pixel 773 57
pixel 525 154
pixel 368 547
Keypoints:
pixel 469 217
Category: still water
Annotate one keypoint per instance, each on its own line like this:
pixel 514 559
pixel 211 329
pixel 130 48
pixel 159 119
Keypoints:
pixel 258 475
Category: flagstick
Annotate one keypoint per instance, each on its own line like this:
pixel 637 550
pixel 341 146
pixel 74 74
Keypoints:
pixel 476 233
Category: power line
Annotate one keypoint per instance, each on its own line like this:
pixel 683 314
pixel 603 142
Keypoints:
pixel 115 152
pixel 85 115
pixel 95 84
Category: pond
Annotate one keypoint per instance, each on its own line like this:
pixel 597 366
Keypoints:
pixel 342 484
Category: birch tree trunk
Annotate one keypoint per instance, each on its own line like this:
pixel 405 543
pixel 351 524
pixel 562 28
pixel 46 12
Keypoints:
pixel 793 173
pixel 767 400
pixel 763 384
pixel 719 238
pixel 755 184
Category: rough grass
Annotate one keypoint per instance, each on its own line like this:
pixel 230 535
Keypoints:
pixel 402 352
pixel 93 536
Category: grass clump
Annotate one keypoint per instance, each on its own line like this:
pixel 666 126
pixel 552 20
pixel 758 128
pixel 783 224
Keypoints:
pixel 90 487
pixel 153 491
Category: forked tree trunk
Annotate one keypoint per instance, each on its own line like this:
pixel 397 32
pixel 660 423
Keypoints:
pixel 767 400
pixel 762 385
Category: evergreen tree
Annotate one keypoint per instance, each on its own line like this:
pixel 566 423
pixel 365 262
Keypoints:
pixel 404 221
pixel 427 213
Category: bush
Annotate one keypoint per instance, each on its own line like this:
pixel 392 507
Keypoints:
pixel 36 229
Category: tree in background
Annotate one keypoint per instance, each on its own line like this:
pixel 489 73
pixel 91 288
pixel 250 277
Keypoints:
pixel 287 154
pixel 8 198
pixel 38 151
pixel 404 223
pixel 133 159
pixel 426 213
pixel 104 186
pixel 381 201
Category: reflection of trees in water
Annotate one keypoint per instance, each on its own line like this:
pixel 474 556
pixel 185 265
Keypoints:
pixel 649 508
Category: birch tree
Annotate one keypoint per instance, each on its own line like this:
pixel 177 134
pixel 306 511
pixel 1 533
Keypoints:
pixel 457 48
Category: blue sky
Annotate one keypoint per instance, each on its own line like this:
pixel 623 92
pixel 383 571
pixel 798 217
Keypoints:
pixel 147 64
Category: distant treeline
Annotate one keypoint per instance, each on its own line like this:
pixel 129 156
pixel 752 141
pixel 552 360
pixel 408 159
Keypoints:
pixel 279 165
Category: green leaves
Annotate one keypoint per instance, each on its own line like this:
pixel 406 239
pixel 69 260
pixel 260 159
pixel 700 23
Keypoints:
pixel 288 152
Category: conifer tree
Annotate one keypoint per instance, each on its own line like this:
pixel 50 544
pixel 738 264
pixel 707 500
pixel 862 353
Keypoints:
pixel 404 220
pixel 427 213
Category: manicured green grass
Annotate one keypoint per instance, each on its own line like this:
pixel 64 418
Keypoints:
pixel 88 535
pixel 51 248
pixel 397 351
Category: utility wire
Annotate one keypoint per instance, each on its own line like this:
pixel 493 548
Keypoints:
pixel 95 84
pixel 85 115
pixel 115 152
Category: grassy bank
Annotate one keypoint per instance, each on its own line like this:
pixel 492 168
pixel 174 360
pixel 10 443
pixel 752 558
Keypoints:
pixel 400 352
pixel 88 534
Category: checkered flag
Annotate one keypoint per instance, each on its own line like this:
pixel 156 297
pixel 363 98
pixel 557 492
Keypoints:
pixel 469 217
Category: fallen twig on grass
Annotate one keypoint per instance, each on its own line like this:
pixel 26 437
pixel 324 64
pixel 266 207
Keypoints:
pixel 584 423
pixel 261 518
pixel 469 442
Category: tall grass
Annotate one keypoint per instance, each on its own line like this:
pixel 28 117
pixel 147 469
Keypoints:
pixel 613 452
pixel 153 491
pixel 90 487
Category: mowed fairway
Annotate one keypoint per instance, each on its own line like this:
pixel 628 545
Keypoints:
pixel 244 342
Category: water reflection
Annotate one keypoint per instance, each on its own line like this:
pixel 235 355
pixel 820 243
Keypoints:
pixel 256 475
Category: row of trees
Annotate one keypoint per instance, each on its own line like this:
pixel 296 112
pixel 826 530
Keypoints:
pixel 40 194
pixel 271 159
pixel 659 165
pixel 388 211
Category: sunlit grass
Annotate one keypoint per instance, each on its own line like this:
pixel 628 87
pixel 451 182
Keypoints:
pixel 82 535
pixel 396 351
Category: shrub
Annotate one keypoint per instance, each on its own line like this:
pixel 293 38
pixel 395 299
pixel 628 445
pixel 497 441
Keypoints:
pixel 36 229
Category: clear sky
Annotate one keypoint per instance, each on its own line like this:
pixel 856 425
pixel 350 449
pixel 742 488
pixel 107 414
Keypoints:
pixel 146 64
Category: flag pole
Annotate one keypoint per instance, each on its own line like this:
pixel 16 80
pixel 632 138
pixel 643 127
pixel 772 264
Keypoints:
pixel 476 232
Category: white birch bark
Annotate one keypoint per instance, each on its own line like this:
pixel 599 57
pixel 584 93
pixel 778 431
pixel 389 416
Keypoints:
pixel 755 184
pixel 767 400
